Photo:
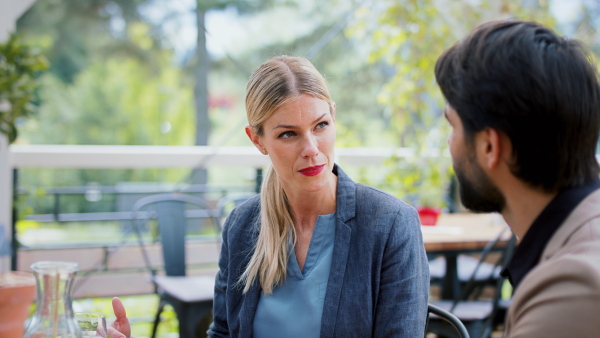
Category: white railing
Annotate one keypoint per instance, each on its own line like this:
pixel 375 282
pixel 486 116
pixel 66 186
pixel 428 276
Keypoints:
pixel 115 277
pixel 136 157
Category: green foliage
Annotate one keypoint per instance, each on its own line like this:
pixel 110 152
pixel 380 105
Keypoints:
pixel 343 60
pixel 114 101
pixel 74 32
pixel 409 35
pixel 20 66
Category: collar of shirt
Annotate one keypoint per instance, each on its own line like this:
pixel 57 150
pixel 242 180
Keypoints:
pixel 528 253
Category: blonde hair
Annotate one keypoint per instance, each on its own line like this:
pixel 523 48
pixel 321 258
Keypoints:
pixel 274 83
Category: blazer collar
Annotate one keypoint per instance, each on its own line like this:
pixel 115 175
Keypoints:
pixel 346 195
pixel 584 212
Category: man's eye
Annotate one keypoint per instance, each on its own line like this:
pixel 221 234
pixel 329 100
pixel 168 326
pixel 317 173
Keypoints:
pixel 286 134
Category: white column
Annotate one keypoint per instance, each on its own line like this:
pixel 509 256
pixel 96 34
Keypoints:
pixel 10 11
pixel 5 194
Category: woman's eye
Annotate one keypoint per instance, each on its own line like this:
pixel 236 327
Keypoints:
pixel 286 134
pixel 322 125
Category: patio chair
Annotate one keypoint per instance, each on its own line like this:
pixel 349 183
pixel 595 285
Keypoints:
pixel 190 296
pixel 469 269
pixel 477 313
pixel 452 323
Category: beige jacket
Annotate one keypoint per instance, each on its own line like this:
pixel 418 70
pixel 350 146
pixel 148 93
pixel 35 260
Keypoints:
pixel 560 297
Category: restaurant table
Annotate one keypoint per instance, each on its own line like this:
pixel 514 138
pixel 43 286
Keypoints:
pixel 461 233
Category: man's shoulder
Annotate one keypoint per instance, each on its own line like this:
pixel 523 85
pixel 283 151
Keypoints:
pixel 580 230
pixel 577 260
pixel 560 298
pixel 572 255
pixel 588 209
pixel 563 286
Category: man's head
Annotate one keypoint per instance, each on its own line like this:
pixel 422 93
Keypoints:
pixel 538 89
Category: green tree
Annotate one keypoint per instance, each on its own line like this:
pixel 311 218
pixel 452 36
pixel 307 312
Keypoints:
pixel 20 66
pixel 115 101
pixel 74 32
pixel 201 66
pixel 409 35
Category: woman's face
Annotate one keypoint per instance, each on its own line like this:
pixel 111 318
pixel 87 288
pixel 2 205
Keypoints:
pixel 299 138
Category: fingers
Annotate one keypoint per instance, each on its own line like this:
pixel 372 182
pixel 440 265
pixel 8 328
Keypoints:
pixel 120 328
pixel 114 333
pixel 118 308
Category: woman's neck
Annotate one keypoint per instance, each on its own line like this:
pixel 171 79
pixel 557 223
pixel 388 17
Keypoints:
pixel 307 206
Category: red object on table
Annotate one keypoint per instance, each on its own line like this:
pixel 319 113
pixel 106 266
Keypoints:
pixel 428 215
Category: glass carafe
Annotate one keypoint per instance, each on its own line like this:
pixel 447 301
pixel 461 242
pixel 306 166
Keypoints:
pixel 53 316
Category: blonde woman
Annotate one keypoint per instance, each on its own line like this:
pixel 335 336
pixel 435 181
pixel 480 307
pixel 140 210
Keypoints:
pixel 315 255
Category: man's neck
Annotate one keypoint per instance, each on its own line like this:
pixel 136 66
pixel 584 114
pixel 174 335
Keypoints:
pixel 523 205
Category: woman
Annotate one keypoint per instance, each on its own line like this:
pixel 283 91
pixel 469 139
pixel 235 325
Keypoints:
pixel 315 254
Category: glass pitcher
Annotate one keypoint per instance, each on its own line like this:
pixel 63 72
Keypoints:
pixel 53 316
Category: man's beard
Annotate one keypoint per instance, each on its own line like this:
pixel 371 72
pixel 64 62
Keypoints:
pixel 477 192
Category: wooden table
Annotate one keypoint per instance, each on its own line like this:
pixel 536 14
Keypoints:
pixel 455 234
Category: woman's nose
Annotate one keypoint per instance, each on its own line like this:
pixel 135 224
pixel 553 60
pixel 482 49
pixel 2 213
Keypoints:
pixel 310 147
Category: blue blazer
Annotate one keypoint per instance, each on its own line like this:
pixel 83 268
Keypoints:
pixel 379 280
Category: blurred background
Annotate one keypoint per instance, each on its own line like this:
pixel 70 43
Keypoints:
pixel 173 73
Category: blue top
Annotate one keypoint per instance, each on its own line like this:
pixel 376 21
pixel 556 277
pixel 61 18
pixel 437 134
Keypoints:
pixel 295 308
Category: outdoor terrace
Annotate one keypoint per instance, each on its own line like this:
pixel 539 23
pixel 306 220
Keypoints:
pixel 117 267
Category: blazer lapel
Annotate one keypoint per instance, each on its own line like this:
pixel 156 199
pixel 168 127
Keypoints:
pixel 336 278
pixel 582 213
pixel 345 210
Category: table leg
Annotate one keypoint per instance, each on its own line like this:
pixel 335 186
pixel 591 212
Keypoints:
pixel 451 284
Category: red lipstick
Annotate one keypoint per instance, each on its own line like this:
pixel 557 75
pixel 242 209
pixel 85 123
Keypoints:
pixel 312 171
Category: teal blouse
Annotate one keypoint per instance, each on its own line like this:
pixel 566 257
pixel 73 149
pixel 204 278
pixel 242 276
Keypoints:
pixel 295 308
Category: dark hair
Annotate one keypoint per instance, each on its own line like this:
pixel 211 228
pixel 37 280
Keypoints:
pixel 538 88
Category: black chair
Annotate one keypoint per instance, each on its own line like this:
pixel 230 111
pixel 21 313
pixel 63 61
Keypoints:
pixel 451 322
pixel 469 270
pixel 190 296
pixel 478 314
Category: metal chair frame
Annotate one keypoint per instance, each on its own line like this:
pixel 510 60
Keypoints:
pixel 449 318
pixel 169 209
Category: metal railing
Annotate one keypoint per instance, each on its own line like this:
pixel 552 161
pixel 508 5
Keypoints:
pixel 144 157
pixel 120 199
pixel 113 269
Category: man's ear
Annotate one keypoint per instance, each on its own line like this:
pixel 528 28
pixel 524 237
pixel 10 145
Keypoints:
pixel 489 145
pixel 255 139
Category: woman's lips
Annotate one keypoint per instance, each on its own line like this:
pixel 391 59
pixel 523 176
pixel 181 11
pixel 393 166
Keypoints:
pixel 312 171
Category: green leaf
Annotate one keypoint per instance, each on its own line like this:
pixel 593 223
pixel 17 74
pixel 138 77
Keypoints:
pixel 19 65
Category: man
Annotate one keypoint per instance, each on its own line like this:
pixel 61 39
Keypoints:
pixel 524 106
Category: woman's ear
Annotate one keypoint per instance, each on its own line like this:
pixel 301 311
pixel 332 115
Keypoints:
pixel 255 139
pixel 333 106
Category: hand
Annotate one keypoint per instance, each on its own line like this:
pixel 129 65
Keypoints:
pixel 120 328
